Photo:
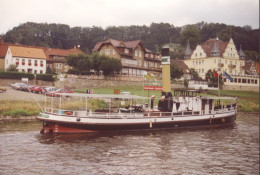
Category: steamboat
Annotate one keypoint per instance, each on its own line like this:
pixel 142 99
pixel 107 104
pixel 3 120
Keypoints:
pixel 77 113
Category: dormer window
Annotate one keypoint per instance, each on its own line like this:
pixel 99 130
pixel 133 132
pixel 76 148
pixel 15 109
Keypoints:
pixel 126 50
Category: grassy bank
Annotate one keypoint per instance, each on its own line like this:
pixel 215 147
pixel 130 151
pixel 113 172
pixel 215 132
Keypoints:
pixel 16 109
pixel 248 101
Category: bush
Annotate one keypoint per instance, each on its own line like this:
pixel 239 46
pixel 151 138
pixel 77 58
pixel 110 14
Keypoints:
pixel 18 112
pixel 45 77
pixel 16 75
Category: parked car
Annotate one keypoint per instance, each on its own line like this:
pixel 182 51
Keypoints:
pixel 58 92
pixel 49 89
pixel 2 89
pixel 17 85
pixel 38 90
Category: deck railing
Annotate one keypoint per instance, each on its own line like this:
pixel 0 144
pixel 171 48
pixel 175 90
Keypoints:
pixel 152 114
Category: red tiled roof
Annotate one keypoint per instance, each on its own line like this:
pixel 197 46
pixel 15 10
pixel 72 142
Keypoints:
pixel 116 44
pixel 3 49
pixel 47 51
pixel 208 45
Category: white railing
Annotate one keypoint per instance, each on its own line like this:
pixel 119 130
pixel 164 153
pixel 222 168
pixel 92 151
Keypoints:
pixel 148 114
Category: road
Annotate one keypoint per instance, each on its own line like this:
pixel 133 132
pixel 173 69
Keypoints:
pixel 12 94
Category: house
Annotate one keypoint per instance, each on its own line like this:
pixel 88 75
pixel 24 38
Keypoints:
pixel 135 58
pixel 56 58
pixel 27 59
pixel 3 50
pixel 215 54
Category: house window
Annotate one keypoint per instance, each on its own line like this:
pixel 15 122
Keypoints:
pixel 114 51
pixel 199 62
pixel 195 55
pixel 35 71
pixel 255 81
pixel 235 80
pixel 41 63
pixel 200 54
pixel 241 63
pixel 202 62
pixel 248 81
pixel 225 61
pixel 23 62
pixel 17 61
pixel 243 80
pixel 35 63
pixel 239 80
pixel 140 54
pixel 196 62
pixel 107 51
pixel 41 72
pixel 29 62
pixel 23 70
pixel 202 70
pixel 126 50
pixel 136 53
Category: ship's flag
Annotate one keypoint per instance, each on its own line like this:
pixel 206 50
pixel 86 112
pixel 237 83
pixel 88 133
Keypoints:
pixel 227 76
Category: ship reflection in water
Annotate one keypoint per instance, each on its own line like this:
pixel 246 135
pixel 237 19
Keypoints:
pixel 222 150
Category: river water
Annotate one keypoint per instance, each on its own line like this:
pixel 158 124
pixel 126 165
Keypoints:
pixel 225 150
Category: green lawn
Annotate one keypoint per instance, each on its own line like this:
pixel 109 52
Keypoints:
pixel 247 100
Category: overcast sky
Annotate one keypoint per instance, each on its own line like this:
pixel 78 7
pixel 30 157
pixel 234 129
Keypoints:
pixel 104 13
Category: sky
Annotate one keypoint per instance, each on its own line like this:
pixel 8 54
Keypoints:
pixel 105 13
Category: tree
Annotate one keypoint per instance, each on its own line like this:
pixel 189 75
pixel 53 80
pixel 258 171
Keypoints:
pixel 194 74
pixel 110 65
pixel 12 68
pixel 212 80
pixel 192 33
pixel 176 71
pixel 50 71
pixel 80 62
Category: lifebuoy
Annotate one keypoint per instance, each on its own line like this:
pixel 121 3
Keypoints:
pixel 68 113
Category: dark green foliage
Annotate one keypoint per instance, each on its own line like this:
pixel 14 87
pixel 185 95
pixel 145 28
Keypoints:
pixel 16 75
pixel 176 72
pixel 153 36
pixel 50 71
pixel 45 77
pixel 12 68
pixel 194 74
pixel 212 80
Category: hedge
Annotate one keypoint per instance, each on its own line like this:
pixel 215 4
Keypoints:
pixel 45 77
pixel 16 75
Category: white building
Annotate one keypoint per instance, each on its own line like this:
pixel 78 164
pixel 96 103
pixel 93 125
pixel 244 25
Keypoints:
pixel 27 59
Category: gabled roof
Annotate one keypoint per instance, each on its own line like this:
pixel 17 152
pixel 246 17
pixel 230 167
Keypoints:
pixel 27 52
pixel 127 44
pixel 60 52
pixel 214 45
pixel 3 49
